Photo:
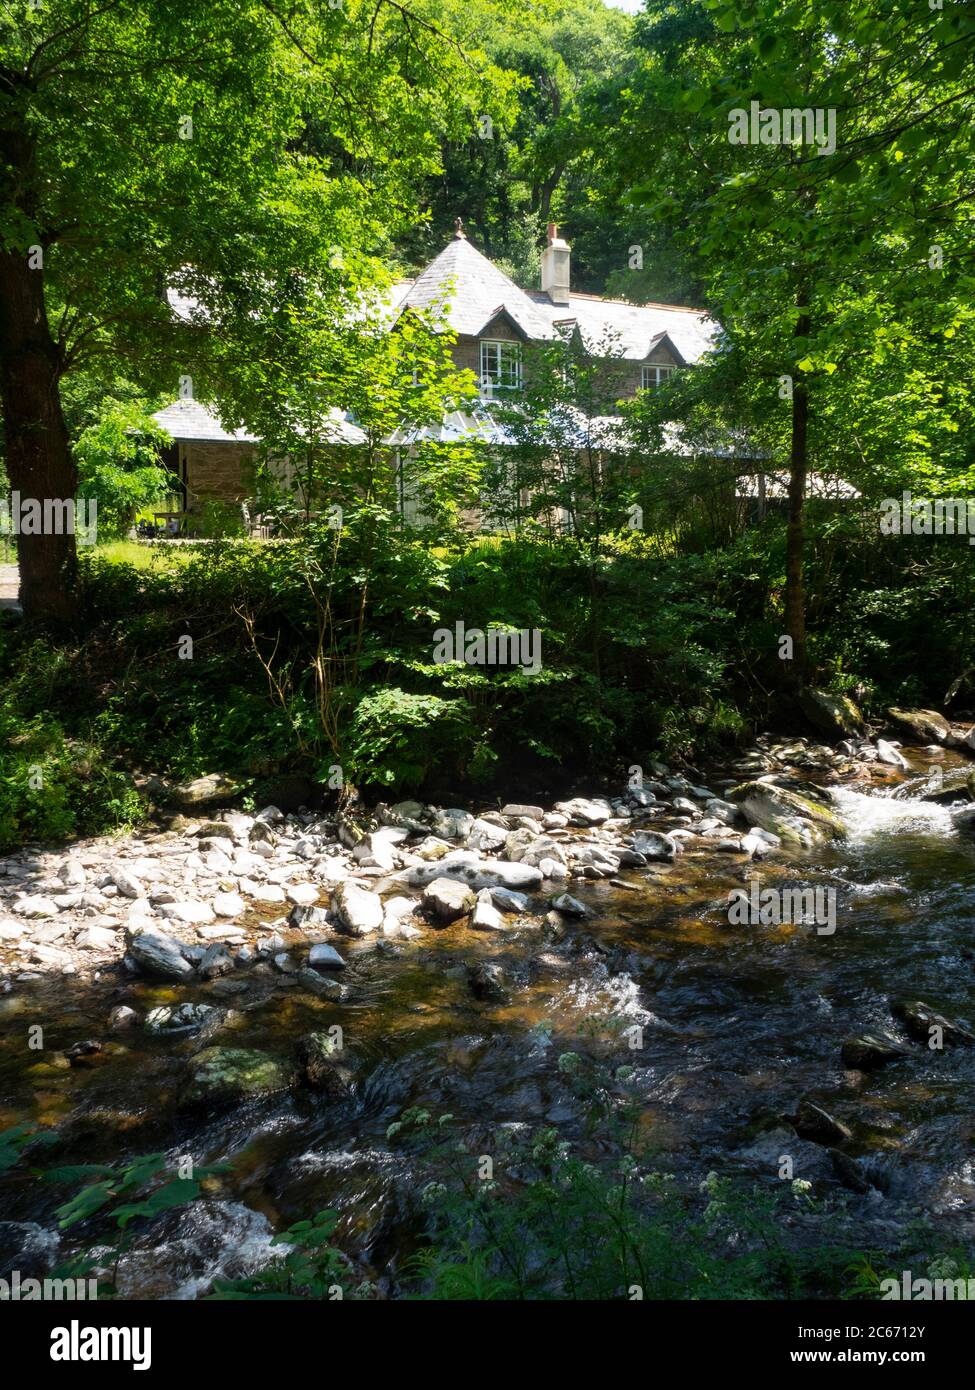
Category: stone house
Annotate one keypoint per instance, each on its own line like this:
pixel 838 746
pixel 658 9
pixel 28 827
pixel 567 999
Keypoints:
pixel 494 321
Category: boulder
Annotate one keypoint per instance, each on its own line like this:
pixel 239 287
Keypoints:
pixel 205 791
pixel 919 1018
pixel 485 836
pixel 452 824
pixel 189 912
pixel 569 906
pixel 582 811
pixel 479 873
pixel 359 912
pixel 832 714
pixel 302 894
pixel 868 1051
pixel 228 904
pixel 447 899
pixel 180 1018
pixel 887 753
pixel 794 818
pixel 126 883
pixel 815 1123
pixel 157 954
pixel 320 1064
pixel 216 961
pixel 486 916
pixel 507 900
pixel 325 986
pixel 234 1073
pixel 654 845
pixel 325 957
pixel 308 918
pixel 96 939
pixel 35 905
pixel 486 982
pixel 926 725
pixel 122 1018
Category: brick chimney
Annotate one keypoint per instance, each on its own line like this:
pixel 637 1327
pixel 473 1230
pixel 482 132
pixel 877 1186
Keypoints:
pixel 555 267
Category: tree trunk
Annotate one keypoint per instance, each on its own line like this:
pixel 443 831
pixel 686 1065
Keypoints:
pixel 795 597
pixel 38 456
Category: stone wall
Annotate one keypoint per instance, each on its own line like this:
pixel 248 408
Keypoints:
pixel 218 472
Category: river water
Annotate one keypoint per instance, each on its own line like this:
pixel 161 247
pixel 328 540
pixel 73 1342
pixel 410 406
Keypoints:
pixel 738 1024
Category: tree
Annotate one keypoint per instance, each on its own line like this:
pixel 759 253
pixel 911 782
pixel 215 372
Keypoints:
pixel 118 465
pixel 152 145
pixel 805 246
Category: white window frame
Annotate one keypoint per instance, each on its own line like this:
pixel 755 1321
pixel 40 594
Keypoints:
pixel 652 374
pixel 497 375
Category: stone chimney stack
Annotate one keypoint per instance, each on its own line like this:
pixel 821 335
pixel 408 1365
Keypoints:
pixel 555 267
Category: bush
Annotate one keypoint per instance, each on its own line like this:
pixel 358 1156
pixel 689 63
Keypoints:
pixel 397 739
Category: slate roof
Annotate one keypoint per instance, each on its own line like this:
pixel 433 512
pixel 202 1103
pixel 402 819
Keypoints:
pixel 633 329
pixel 470 290
pixel 192 422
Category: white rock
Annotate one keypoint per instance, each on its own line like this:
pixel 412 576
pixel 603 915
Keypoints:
pixel 400 931
pixel 486 916
pixel 96 939
pixel 221 931
pixel 448 899
pixel 268 893
pixel 302 894
pixel 228 904
pixel 126 883
pixel 359 911
pixel 582 811
pixel 452 824
pixel 35 905
pixel 188 912
pixel 887 753
pixel 398 907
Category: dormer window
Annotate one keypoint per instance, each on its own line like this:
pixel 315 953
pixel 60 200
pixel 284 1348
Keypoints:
pixel 500 366
pixel 652 377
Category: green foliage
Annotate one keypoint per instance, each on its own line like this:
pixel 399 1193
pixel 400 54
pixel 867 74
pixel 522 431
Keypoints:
pixel 118 465
pixel 52 785
pixel 15 1143
pixel 397 738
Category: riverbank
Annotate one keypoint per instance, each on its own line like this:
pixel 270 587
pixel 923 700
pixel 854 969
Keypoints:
pixel 599 928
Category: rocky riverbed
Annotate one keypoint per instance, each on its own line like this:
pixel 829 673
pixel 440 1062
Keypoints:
pixel 183 981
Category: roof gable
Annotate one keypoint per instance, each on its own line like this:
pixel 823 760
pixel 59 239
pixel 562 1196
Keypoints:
pixel 470 291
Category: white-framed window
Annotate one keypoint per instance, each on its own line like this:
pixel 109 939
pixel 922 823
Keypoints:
pixel 500 366
pixel 651 377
